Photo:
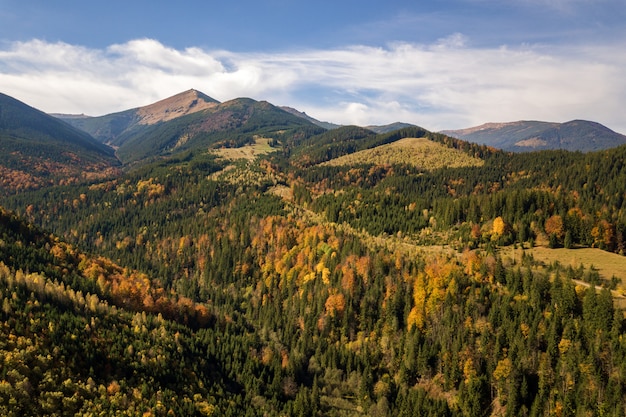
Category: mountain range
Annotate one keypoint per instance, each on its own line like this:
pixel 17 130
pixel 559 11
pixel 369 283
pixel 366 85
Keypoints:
pixel 128 130
pixel 39 149
pixel 526 136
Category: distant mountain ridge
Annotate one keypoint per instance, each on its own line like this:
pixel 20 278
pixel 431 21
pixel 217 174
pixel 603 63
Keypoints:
pixel 525 136
pixel 328 125
pixel 388 128
pixel 191 120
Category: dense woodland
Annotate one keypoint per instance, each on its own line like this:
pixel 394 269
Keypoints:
pixel 191 286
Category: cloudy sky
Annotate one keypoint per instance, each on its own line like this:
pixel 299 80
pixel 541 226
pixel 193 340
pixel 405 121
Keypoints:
pixel 441 64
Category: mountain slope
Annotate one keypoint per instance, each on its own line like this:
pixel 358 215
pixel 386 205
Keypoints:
pixel 327 302
pixel 295 112
pixel 229 124
pixel 110 127
pixel 524 136
pixel 71 330
pixel 187 120
pixel 37 149
pixel 389 128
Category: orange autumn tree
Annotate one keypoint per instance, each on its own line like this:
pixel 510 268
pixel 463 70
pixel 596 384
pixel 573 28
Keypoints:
pixel 335 304
pixel 554 225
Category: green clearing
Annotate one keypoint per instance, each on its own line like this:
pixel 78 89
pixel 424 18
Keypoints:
pixel 248 152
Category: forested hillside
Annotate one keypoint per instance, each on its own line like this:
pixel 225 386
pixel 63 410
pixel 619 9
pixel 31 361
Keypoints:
pixel 284 285
pixel 38 150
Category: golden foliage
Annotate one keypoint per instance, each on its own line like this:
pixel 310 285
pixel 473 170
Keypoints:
pixel 564 346
pixel 267 354
pixel 335 304
pixel 417 313
pixel 430 288
pixel 554 225
pixel 503 369
pixel 500 227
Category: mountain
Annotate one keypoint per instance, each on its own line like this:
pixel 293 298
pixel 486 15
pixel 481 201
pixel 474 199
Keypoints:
pixel 191 120
pixel 188 120
pixel 229 124
pixel 109 127
pixel 525 136
pixel 37 149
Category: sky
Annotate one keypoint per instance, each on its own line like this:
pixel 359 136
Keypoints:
pixel 440 64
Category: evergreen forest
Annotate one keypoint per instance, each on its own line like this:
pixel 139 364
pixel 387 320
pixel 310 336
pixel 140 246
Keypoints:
pixel 195 284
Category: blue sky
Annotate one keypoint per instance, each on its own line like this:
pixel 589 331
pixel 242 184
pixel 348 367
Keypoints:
pixel 439 64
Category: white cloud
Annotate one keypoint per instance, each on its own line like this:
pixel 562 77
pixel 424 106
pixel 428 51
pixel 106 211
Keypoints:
pixel 444 85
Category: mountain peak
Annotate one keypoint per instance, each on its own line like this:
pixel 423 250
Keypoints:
pixel 181 104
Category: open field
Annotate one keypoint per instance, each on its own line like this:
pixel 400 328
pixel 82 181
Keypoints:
pixel 606 263
pixel 420 152
pixel 249 152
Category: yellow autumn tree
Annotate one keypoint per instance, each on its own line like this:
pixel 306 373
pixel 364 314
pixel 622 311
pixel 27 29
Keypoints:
pixel 500 228
pixel 416 315
pixel 501 376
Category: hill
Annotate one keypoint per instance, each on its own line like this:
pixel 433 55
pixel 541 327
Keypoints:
pixel 37 149
pixel 525 136
pixel 346 140
pixel 419 152
pixel 389 128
